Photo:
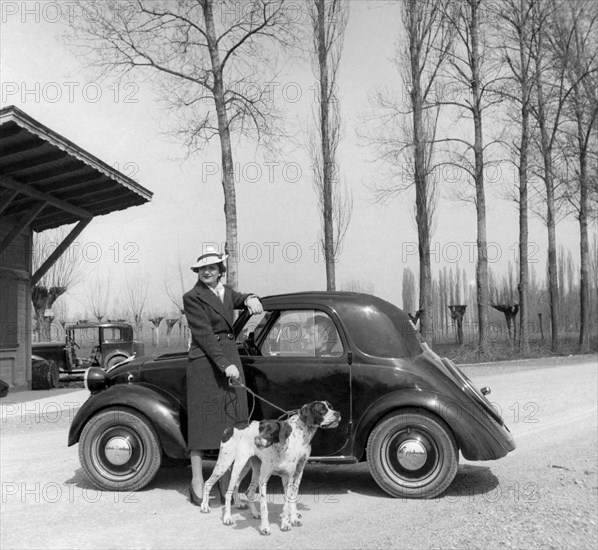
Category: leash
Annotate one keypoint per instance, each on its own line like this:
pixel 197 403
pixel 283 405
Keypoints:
pixel 235 382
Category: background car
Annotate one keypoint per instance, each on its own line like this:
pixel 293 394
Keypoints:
pixel 90 344
pixel 405 410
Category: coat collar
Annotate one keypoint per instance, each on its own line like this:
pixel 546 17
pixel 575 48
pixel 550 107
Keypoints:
pixel 208 296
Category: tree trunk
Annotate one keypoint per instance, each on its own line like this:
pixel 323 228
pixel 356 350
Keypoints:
pixel 228 182
pixel 523 199
pixel 421 195
pixel 546 149
pixel 43 299
pixel 327 157
pixel 482 266
pixel 584 246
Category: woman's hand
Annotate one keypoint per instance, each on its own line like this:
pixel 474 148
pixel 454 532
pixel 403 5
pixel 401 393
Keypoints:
pixel 254 305
pixel 232 372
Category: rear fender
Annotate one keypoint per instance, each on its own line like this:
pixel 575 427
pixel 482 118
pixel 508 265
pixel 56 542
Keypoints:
pixel 468 422
pixel 162 411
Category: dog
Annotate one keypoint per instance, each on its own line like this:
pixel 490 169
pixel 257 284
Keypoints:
pixel 257 435
pixel 286 458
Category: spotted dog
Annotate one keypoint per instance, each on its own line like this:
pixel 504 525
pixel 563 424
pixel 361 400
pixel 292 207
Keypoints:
pixel 287 459
pixel 244 443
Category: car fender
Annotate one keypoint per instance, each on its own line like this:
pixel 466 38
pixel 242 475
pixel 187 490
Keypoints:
pixel 162 411
pixel 115 352
pixel 472 427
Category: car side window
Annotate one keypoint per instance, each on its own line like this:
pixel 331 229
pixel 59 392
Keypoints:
pixel 113 334
pixel 254 326
pixel 302 333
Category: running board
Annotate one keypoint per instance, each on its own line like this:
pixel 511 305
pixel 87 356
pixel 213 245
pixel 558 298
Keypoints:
pixel 333 459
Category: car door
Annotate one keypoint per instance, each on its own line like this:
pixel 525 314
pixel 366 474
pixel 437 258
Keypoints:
pixel 286 364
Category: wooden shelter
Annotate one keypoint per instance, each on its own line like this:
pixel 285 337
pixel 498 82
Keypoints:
pixel 46 181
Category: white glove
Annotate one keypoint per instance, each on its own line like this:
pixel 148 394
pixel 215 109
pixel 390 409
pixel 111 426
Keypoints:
pixel 232 372
pixel 254 305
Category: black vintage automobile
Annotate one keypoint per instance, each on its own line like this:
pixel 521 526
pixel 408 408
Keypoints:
pixel 404 409
pixel 89 344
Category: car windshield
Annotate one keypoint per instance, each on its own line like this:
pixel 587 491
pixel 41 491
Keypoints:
pixel 382 330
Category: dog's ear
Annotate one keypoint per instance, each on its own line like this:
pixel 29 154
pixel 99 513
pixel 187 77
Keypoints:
pixel 307 413
pixel 285 431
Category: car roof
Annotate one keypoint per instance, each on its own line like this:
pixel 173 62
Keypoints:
pixel 326 296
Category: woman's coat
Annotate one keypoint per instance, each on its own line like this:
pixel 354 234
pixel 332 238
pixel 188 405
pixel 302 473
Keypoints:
pixel 212 404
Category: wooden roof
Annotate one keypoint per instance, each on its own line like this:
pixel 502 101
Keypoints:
pixel 51 181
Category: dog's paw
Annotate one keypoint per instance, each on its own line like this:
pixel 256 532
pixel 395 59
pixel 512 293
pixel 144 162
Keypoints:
pixel 296 522
pixel 227 520
pixel 205 508
pixel 264 530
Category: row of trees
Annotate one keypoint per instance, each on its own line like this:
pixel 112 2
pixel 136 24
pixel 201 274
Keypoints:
pixel 528 66
pixel 454 286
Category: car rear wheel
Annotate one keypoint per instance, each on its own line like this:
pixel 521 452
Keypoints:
pixel 413 454
pixel 44 375
pixel 119 450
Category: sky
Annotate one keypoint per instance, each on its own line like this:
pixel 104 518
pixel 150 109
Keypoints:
pixel 125 125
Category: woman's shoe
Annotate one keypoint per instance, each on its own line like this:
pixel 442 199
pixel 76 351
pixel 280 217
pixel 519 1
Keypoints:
pixel 193 498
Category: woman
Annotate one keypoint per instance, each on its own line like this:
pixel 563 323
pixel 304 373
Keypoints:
pixel 212 403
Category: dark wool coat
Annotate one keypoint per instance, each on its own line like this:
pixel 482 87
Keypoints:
pixel 212 404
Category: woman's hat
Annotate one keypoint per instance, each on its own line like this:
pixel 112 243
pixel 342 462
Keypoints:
pixel 209 258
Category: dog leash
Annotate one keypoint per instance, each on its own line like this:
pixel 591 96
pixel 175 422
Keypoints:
pixel 236 382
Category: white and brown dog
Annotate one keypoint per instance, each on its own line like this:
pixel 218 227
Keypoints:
pixel 286 458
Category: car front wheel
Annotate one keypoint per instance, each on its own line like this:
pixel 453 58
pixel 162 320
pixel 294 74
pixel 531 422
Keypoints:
pixel 413 454
pixel 119 450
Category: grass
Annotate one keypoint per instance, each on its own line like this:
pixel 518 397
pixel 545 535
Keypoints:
pixel 505 351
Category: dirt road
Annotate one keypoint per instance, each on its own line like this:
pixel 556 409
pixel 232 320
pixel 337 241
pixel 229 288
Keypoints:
pixel 540 496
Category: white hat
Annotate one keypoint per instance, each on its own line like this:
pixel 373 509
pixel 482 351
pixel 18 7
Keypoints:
pixel 209 258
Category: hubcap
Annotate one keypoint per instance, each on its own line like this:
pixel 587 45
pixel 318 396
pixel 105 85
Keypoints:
pixel 118 450
pixel 411 454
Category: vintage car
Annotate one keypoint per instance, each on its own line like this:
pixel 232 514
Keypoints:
pixel 405 410
pixel 90 345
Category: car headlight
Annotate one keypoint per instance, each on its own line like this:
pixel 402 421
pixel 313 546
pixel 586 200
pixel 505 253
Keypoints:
pixel 95 379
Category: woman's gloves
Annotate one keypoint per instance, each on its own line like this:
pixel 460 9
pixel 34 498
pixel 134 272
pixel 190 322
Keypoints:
pixel 232 372
pixel 254 305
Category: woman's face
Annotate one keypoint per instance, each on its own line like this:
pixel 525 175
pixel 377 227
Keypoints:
pixel 209 274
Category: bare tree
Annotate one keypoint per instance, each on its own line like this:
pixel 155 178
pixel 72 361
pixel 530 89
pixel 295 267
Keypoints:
pixel 405 135
pixel 520 29
pixel 170 323
pixel 473 68
pixel 64 274
pixel 574 42
pixel 551 93
pixel 134 300
pixel 328 21
pixel 201 53
pixel 98 297
pixel 155 320
pixel 176 297
pixel 408 291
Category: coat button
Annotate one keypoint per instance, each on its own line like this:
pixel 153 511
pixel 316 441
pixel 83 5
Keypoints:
pixel 229 336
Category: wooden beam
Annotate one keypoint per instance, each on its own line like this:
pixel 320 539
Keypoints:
pixel 68 240
pixel 10 183
pixel 19 228
pixel 11 197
